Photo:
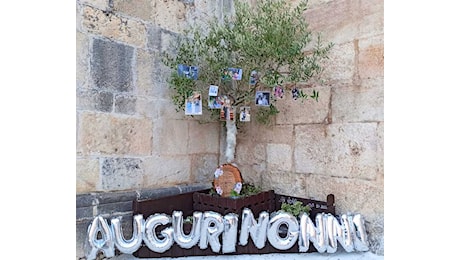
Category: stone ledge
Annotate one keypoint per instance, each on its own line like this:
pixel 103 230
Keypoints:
pixel 113 203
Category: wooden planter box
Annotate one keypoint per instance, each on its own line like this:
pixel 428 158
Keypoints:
pixel 202 201
pixel 264 201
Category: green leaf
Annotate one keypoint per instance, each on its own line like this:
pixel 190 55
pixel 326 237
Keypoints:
pixel 268 36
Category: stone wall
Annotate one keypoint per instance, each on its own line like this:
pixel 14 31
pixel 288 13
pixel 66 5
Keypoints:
pixel 130 141
pixel 334 145
pixel 129 135
pixel 130 138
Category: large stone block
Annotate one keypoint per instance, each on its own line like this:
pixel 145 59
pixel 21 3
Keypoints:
pixel 286 183
pixel 346 150
pixel 125 104
pixel 380 150
pixel 144 72
pixel 279 157
pixel 252 173
pixel 371 22
pixel 145 107
pixel 160 39
pixel 162 171
pixel 203 167
pixel 203 138
pixel 111 66
pixel 87 175
pixel 345 20
pixel 121 174
pixel 302 111
pixel 354 196
pixel 354 150
pixel 164 108
pixel 101 4
pixel 371 57
pixel 170 137
pixel 311 152
pixel 248 153
pixel 78 20
pixel 103 134
pixel 170 15
pixel 313 3
pixel 351 195
pixel 355 104
pixel 337 21
pixel 340 68
pixel 255 132
pixel 94 100
pixel 250 158
pixel 377 82
pixel 114 27
pixel 202 11
pixel 141 9
pixel 82 59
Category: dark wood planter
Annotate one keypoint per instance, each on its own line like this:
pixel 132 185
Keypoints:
pixel 263 201
pixel 202 201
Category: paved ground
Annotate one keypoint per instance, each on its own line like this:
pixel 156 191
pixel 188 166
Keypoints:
pixel 287 256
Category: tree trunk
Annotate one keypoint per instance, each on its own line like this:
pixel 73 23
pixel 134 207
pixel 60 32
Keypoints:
pixel 231 141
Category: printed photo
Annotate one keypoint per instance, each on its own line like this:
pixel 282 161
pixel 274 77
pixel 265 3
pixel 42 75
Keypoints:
pixel 232 73
pixel 190 72
pixel 245 114
pixel 262 98
pixel 215 102
pixel 213 90
pixel 193 104
pixel 227 112
pixel 278 92
pixel 254 78
pixel 295 93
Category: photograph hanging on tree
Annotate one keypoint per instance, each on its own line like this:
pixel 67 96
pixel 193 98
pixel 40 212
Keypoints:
pixel 190 72
pixel 232 73
pixel 278 92
pixel 253 78
pixel 227 111
pixel 263 98
pixel 193 104
pixel 245 114
pixel 215 102
pixel 295 93
pixel 213 90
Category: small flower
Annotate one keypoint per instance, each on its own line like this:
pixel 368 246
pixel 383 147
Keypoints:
pixel 219 190
pixel 238 187
pixel 218 172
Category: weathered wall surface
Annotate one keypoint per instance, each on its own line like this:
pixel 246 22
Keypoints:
pixel 130 138
pixel 334 145
pixel 128 133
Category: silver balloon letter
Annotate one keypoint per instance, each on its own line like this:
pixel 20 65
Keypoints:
pixel 186 241
pixel 132 245
pixel 212 227
pixel 304 236
pixel 279 218
pixel 258 230
pixel 339 232
pixel 230 233
pixel 308 232
pixel 360 239
pixel 104 244
pixel 151 239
